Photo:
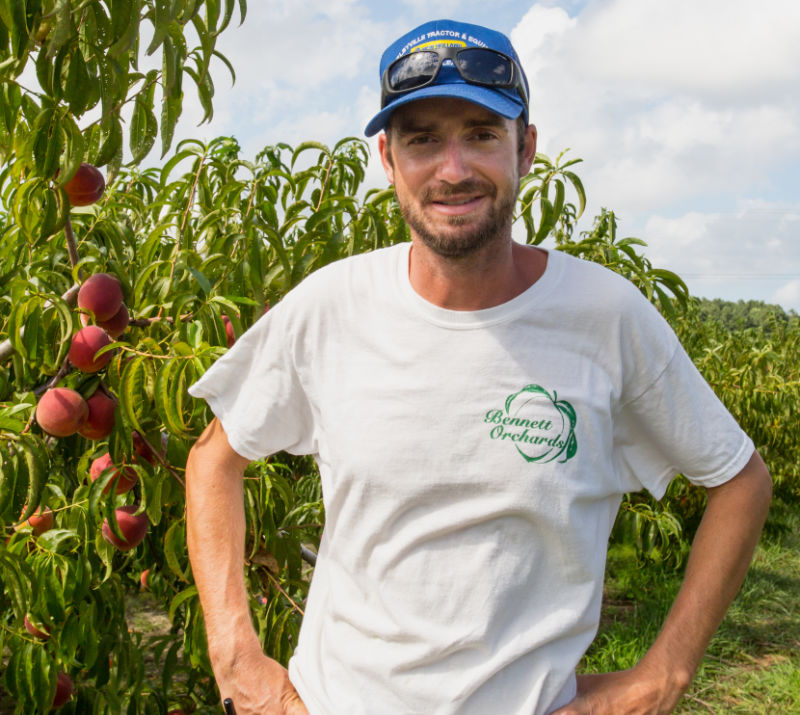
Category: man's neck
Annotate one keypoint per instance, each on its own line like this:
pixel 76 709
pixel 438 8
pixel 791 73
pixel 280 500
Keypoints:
pixel 492 276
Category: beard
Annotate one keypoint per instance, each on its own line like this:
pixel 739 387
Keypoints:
pixel 473 236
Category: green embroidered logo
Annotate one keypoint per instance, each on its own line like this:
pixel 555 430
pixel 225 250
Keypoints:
pixel 540 426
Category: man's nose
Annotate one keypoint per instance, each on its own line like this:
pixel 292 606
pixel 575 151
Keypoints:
pixel 453 166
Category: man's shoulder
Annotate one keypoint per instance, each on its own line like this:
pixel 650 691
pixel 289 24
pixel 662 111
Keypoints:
pixel 349 277
pixel 593 284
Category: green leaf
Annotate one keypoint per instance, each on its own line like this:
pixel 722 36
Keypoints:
pixel 202 281
pixel 161 20
pixel 185 595
pixel 144 128
pixel 169 396
pixel 175 549
pixel 133 390
pixel 78 87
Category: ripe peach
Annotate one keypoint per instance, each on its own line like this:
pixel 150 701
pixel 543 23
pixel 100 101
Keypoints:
pixel 117 325
pixel 143 578
pixel 100 421
pixel 132 526
pixel 230 334
pixel 64 690
pixel 86 187
pixel 101 295
pixel 34 631
pixel 127 476
pixel 61 412
pixel 141 448
pixel 86 342
pixel 41 521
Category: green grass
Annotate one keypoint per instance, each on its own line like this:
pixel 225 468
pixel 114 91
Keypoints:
pixel 753 662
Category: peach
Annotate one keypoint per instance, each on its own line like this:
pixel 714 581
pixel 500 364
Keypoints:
pixel 64 690
pixel 61 412
pixel 230 333
pixel 132 526
pixel 42 634
pixel 86 187
pixel 100 421
pixel 127 475
pixel 101 295
pixel 85 343
pixel 117 325
pixel 141 448
pixel 144 578
pixel 41 521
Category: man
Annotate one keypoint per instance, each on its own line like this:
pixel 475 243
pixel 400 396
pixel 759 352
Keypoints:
pixel 477 409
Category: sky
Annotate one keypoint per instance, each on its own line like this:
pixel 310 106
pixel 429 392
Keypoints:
pixel 686 113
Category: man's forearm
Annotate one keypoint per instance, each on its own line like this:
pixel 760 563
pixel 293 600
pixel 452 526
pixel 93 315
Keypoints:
pixel 215 530
pixel 719 559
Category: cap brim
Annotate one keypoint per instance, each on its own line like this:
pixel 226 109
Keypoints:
pixel 492 99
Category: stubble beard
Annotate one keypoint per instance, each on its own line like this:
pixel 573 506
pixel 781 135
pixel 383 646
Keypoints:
pixel 453 244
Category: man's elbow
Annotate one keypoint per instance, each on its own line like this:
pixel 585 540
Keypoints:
pixel 754 485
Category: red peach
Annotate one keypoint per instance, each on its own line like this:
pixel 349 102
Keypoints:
pixel 85 344
pixel 230 333
pixel 132 526
pixel 41 521
pixel 141 448
pixel 117 325
pixel 127 476
pixel 34 631
pixel 64 690
pixel 61 412
pixel 86 187
pixel 101 295
pixel 100 421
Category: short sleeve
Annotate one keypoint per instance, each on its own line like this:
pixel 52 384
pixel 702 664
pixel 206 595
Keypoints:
pixel 678 425
pixel 255 392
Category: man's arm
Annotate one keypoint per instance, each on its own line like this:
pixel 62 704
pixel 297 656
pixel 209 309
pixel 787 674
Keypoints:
pixel 215 535
pixel 719 559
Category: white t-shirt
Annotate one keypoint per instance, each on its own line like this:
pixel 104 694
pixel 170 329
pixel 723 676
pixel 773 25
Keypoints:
pixel 472 465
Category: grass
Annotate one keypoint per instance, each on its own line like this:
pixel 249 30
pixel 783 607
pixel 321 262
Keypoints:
pixel 753 662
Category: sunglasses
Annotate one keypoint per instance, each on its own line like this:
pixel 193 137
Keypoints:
pixel 476 65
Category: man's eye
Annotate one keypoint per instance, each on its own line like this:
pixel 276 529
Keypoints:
pixel 422 139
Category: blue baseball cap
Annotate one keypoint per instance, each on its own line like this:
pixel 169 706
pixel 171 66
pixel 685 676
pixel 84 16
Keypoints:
pixel 449 82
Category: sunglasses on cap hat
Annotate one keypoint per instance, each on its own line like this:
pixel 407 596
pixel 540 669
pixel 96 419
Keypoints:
pixel 476 65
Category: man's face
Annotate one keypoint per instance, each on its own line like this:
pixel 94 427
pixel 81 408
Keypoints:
pixel 456 170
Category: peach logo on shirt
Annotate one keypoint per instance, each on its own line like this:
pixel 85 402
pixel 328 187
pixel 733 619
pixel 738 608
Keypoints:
pixel 538 424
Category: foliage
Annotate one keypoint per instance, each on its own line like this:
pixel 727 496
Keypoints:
pixel 756 374
pixel 755 314
pixel 86 57
pixel 752 662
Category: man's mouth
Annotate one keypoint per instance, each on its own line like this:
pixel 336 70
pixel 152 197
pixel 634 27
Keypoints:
pixel 455 202
pixel 456 206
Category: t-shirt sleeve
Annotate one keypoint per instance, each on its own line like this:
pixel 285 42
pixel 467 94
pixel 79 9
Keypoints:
pixel 255 392
pixel 678 425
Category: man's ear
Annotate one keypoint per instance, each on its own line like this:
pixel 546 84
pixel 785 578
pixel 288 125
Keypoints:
pixel 529 150
pixel 385 151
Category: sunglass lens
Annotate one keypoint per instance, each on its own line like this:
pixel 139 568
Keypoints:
pixel 413 70
pixel 484 66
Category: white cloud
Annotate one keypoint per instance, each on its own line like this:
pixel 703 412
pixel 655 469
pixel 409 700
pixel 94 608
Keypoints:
pixel 718 47
pixel 754 250
pixel 788 295
pixel 666 102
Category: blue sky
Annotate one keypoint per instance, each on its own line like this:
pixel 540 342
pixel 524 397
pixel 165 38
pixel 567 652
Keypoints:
pixel 685 113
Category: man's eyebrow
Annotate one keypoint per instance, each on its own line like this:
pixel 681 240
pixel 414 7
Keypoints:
pixel 408 125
